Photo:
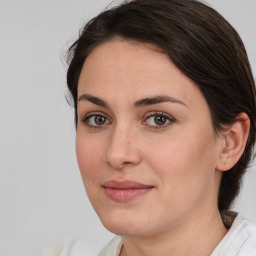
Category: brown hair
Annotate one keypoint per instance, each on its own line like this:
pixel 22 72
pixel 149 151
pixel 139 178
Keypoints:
pixel 201 43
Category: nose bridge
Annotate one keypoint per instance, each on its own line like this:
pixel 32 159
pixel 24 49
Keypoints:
pixel 120 135
pixel 122 149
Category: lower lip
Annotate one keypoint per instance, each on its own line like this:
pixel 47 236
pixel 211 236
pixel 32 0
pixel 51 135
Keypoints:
pixel 124 195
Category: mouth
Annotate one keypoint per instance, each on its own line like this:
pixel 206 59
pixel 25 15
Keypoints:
pixel 122 191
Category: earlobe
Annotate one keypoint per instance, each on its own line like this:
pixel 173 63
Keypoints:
pixel 234 143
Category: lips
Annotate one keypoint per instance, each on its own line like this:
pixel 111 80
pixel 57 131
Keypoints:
pixel 122 191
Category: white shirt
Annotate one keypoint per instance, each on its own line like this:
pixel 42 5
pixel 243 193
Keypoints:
pixel 240 240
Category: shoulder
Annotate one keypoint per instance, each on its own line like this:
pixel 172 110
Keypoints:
pixel 240 239
pixel 113 248
pixel 83 246
pixel 243 238
pixel 53 249
pixel 249 246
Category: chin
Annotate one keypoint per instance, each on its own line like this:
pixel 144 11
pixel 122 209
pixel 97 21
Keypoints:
pixel 126 229
pixel 127 224
pixel 122 223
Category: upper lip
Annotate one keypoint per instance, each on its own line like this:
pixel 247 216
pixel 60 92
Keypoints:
pixel 126 184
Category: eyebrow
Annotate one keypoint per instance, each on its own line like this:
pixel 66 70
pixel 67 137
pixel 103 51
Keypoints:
pixel 140 103
pixel 156 100
pixel 94 100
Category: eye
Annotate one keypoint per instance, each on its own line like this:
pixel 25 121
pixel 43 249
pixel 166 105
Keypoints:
pixel 158 120
pixel 95 121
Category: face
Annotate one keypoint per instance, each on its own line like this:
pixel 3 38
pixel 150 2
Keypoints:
pixel 145 144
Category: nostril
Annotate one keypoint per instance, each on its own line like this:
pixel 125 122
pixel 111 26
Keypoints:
pixel 126 163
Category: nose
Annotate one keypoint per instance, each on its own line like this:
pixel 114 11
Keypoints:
pixel 122 149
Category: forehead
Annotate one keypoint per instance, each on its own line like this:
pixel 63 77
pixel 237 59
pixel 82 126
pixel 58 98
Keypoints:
pixel 132 69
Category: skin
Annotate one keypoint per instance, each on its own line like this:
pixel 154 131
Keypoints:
pixel 180 158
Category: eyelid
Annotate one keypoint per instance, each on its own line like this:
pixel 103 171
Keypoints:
pixel 87 116
pixel 94 113
pixel 170 118
pixel 160 113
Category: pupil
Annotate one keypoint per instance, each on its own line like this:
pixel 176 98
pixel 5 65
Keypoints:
pixel 160 120
pixel 99 120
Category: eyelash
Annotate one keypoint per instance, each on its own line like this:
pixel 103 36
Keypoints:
pixel 86 120
pixel 160 114
pixel 170 120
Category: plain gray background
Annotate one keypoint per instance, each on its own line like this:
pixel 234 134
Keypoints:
pixel 41 194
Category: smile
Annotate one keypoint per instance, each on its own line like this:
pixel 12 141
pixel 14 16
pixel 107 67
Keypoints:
pixel 125 190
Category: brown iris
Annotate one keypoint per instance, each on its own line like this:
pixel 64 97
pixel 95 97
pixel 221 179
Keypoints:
pixel 160 120
pixel 99 120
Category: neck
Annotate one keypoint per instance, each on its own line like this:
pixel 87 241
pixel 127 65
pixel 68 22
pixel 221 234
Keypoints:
pixel 197 236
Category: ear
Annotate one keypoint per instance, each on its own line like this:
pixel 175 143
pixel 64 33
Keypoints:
pixel 234 143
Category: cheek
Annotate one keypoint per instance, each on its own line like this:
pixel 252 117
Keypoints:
pixel 88 158
pixel 185 163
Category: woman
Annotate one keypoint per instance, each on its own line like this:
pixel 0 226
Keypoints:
pixel 165 109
